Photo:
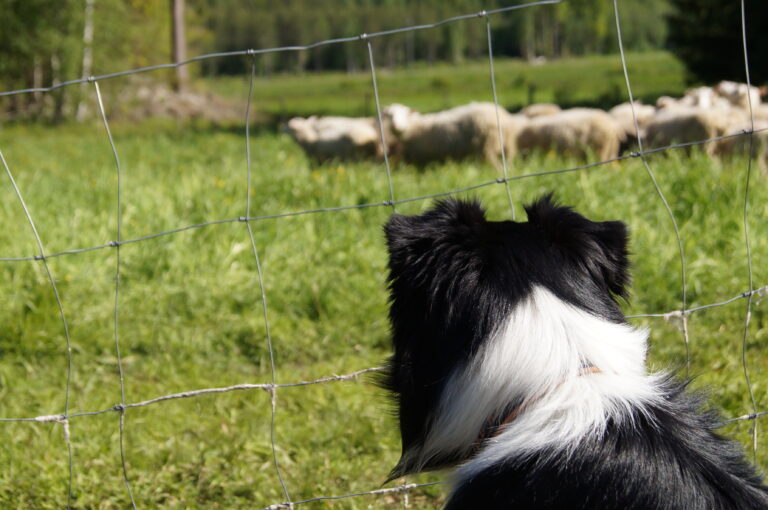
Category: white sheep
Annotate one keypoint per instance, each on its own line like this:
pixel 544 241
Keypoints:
pixel 761 112
pixel 624 116
pixel 667 102
pixel 688 124
pixel 738 94
pixel 740 145
pixel 540 109
pixel 327 138
pixel 465 131
pixel 705 97
pixel 725 94
pixel 702 97
pixel 577 132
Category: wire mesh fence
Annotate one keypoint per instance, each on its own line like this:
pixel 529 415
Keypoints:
pixel 751 294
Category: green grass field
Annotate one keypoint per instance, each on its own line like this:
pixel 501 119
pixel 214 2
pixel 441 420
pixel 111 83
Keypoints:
pixel 594 80
pixel 190 309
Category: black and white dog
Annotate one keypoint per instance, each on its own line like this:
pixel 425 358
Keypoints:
pixel 513 360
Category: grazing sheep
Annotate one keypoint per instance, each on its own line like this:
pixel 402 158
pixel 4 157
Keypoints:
pixel 704 97
pixel 761 112
pixel 327 138
pixel 667 102
pixel 738 94
pixel 464 131
pixel 737 145
pixel 576 131
pixel 540 109
pixel 689 124
pixel 624 116
pixel 682 125
pixel 725 94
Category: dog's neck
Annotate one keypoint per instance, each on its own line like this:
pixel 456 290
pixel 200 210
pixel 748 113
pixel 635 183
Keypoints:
pixel 537 360
pixel 494 427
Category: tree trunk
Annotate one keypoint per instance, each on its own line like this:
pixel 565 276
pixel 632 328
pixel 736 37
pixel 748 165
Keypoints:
pixel 410 44
pixel 59 95
pixel 431 52
pixel 87 57
pixel 352 58
pixel 37 80
pixel 178 45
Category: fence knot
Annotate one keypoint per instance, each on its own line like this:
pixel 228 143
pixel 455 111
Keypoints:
pixel 634 154
pixel 39 257
pixel 91 79
pixel 500 180
pixel 113 244
pixel 52 418
pixel 242 218
pixel 56 418
pixel 678 314
pixel 387 203
pixel 280 506
pixel 363 36
pixel 269 388
pixel 747 131
pixel 250 51
pixel 119 407
pixel 482 14
pixel 680 319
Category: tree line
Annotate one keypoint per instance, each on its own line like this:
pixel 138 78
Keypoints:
pixel 44 42
pixel 569 28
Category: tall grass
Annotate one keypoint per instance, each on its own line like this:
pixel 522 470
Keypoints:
pixel 190 309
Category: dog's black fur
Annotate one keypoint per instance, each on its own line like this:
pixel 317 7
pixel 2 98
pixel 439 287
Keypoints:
pixel 454 278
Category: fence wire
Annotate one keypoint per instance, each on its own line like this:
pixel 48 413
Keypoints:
pixel 119 213
pixel 747 243
pixel 662 197
pixel 64 419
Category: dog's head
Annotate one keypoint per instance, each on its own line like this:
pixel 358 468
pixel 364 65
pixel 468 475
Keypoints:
pixel 455 277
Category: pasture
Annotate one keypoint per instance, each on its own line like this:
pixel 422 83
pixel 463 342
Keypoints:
pixel 595 80
pixel 190 309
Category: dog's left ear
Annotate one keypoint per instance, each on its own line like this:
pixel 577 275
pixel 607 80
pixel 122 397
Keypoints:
pixel 448 231
pixel 447 219
pixel 601 247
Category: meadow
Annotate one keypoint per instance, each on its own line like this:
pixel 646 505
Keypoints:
pixel 596 80
pixel 190 311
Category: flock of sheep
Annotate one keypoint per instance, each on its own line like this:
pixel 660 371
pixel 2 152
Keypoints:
pixel 480 130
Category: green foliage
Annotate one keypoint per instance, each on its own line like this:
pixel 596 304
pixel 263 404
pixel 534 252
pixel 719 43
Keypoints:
pixel 37 48
pixel 42 41
pixel 707 37
pixel 41 44
pixel 551 31
pixel 130 34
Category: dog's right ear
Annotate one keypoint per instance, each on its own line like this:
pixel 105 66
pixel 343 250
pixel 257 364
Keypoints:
pixel 601 247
